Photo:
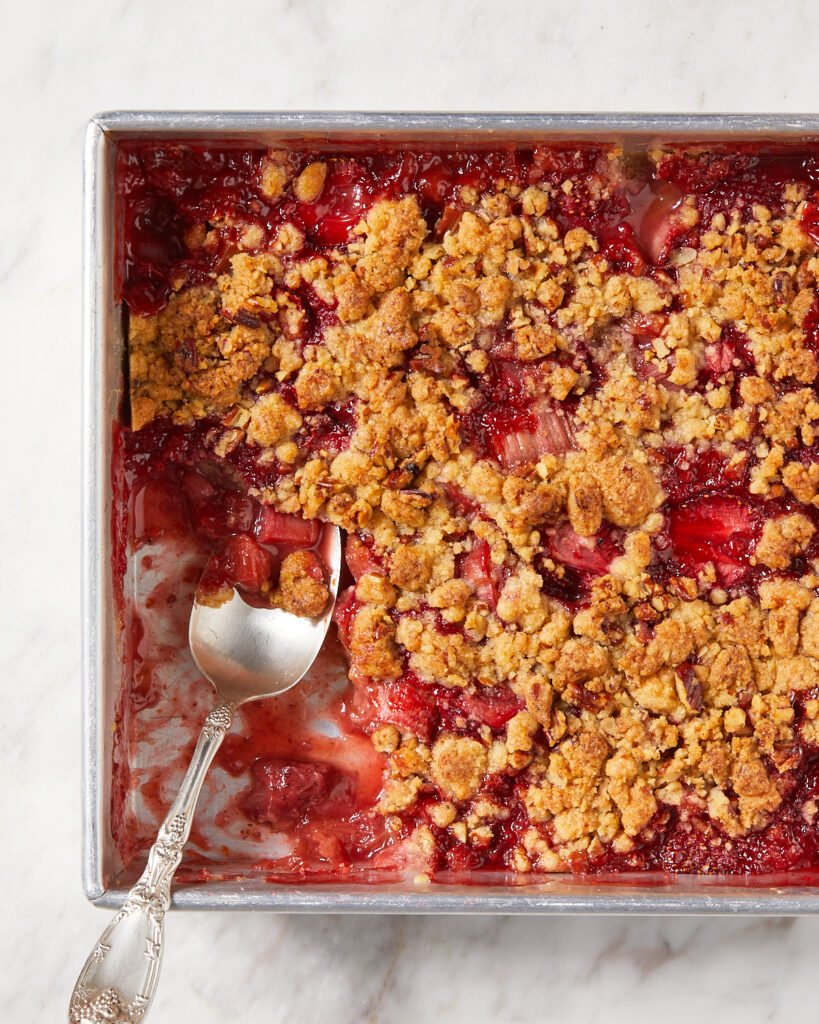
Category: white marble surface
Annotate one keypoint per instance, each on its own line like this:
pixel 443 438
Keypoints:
pixel 61 63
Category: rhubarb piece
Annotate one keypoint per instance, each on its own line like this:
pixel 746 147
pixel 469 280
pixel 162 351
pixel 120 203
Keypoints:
pixel 274 527
pixel 477 569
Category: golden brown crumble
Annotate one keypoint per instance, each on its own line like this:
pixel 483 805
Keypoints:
pixel 644 696
pixel 302 589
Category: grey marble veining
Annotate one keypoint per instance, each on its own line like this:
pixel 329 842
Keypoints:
pixel 61 63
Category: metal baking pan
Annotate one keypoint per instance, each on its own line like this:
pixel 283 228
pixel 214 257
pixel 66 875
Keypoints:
pixel 103 355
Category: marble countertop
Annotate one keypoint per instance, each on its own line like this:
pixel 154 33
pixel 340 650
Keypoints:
pixel 62 62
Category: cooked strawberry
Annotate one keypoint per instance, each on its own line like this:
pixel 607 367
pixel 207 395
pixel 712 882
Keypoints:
pixel 648 369
pixel 492 706
pixel 476 568
pixel 198 489
pixel 404 704
pixel 284 791
pixel 715 528
pixel 730 354
pixel 718 360
pixel 621 250
pixel 274 527
pixel 687 472
pixel 448 221
pixel 401 858
pixel 460 857
pixel 330 428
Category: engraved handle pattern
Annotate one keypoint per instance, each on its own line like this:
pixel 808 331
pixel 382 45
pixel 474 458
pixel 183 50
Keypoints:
pixel 120 976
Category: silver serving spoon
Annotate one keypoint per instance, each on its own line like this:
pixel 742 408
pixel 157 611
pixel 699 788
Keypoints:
pixel 246 653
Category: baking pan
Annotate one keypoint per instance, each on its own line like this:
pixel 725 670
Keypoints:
pixel 103 382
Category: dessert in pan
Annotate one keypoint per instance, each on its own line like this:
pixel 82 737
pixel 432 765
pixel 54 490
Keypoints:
pixel 561 400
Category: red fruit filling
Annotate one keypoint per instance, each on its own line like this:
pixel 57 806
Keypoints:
pixel 242 563
pixel 687 472
pixel 285 792
pixel 272 527
pixel 195 488
pixel 579 561
pixel 714 528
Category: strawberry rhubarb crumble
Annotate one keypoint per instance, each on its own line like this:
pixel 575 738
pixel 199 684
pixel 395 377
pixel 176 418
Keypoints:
pixel 563 403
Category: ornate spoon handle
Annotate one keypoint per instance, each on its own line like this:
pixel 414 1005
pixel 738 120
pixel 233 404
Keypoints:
pixel 120 976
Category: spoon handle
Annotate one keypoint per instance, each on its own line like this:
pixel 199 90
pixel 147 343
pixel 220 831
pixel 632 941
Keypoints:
pixel 119 978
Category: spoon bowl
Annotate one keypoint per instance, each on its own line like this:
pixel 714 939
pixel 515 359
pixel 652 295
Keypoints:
pixel 249 652
pixel 246 652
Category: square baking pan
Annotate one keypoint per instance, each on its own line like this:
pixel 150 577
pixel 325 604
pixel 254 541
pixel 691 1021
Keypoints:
pixel 104 347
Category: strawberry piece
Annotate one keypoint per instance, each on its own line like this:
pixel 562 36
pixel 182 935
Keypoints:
pixel 198 489
pixel 405 705
pixel 687 473
pixel 647 369
pixel 493 706
pixel 274 527
pixel 360 559
pixel 715 528
pixel 476 568
pixel 461 858
pixel 330 428
pixel 718 360
pixel 285 791
pixel 622 251
pixel 448 221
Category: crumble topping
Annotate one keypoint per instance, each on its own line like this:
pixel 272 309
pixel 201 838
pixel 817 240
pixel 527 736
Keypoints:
pixel 516 390
pixel 302 587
